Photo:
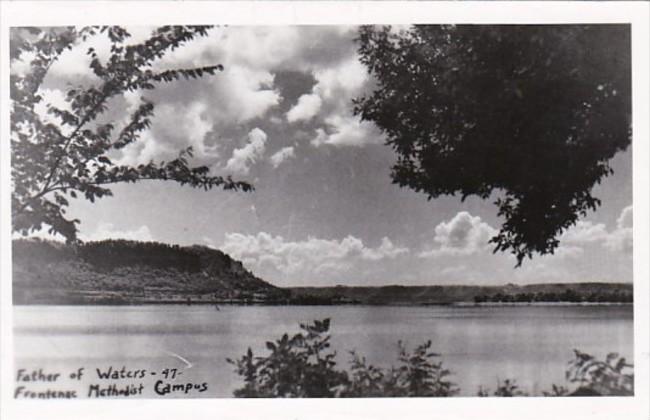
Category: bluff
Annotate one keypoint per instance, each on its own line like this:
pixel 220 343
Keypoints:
pixel 121 271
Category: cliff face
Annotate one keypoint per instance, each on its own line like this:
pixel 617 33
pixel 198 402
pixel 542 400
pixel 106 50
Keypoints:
pixel 119 271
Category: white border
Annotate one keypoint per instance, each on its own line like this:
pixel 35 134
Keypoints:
pixel 44 13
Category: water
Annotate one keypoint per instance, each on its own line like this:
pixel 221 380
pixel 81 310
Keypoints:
pixel 480 345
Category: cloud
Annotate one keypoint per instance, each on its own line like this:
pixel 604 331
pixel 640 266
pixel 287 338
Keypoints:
pixel 244 93
pixel 243 158
pixel 187 112
pixel 312 256
pixel 55 98
pixel 308 105
pixel 586 232
pixel 331 97
pixel 621 239
pixel 40 234
pixel 211 111
pixel 170 131
pixel 386 250
pixel 625 219
pixel 108 231
pixel 281 155
pixel 345 130
pixel 464 234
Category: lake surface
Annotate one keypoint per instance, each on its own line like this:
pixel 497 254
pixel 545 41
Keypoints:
pixel 480 345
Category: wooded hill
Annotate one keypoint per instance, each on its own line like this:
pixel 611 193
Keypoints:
pixel 121 271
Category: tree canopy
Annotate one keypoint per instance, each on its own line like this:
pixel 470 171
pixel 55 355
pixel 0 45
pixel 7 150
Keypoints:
pixel 529 115
pixel 55 161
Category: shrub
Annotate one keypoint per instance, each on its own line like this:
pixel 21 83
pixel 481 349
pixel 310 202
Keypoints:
pixel 302 366
pixel 298 366
pixel 613 376
pixel 507 388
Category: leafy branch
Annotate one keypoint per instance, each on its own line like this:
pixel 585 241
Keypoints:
pixel 55 161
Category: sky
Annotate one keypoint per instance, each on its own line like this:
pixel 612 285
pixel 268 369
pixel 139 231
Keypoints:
pixel 324 211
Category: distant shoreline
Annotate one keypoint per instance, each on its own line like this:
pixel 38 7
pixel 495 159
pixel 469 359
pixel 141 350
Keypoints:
pixel 118 272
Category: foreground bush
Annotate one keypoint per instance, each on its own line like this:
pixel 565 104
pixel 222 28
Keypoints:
pixel 303 366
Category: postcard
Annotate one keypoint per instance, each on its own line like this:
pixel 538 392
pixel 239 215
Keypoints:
pixel 324 210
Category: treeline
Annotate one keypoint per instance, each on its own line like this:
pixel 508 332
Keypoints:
pixel 568 295
pixel 450 294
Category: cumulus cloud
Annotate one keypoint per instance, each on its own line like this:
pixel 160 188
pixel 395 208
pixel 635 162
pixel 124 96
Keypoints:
pixel 108 231
pixel 464 234
pixel 586 232
pixel 281 155
pixel 625 219
pixel 310 256
pixel 345 130
pixel 331 95
pixel 308 105
pixel 621 239
pixel 170 131
pixel 54 98
pixel 244 93
pixel 243 158
pixel 201 112
pixel 186 111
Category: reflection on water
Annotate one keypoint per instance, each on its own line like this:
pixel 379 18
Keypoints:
pixel 479 344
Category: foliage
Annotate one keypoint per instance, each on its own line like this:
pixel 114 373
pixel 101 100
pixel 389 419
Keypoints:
pixel 53 162
pixel 507 388
pixel 140 272
pixel 301 366
pixel 298 366
pixel 530 115
pixel 596 377
pixel 556 391
pixel 568 295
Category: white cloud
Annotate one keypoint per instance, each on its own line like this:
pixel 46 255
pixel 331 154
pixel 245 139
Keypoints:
pixel 243 158
pixel 186 111
pixel 198 112
pixel 568 251
pixel 346 130
pixel 281 155
pixel 586 232
pixel 108 231
pixel 242 94
pixel 40 234
pixel 464 234
pixel 55 98
pixel 332 95
pixel 386 250
pixel 308 105
pixel 348 77
pixel 621 239
pixel 170 131
pixel 307 257
pixel 74 62
pixel 625 219
pixel 22 65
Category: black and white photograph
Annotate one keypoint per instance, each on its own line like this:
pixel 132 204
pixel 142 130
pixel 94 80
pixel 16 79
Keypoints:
pixel 373 210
